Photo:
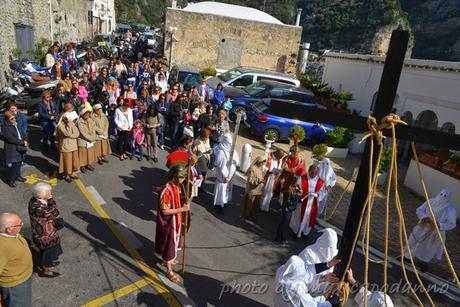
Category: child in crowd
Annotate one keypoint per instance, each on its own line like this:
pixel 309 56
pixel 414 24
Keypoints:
pixel 137 139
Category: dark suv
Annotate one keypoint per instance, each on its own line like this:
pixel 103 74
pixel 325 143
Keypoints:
pixel 243 98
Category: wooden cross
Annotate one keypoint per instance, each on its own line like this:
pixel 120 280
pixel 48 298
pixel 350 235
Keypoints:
pixel 383 106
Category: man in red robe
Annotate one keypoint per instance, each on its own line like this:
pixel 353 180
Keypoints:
pixel 169 219
pixel 304 217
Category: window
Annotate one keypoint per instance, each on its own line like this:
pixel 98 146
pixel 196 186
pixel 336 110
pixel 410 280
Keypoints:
pixel 277 93
pixel 298 96
pixel 230 74
pixel 243 81
pixel 259 78
pixel 256 89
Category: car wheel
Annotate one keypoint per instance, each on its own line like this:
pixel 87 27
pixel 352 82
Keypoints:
pixel 232 115
pixel 272 131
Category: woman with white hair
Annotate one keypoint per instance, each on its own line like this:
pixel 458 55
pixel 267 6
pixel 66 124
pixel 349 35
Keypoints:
pixel 43 214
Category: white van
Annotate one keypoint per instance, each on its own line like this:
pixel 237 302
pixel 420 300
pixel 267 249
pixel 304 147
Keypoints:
pixel 244 76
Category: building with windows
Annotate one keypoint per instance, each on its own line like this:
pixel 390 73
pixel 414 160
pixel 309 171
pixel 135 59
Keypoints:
pixel 428 96
pixel 103 13
pixel 230 36
pixel 24 23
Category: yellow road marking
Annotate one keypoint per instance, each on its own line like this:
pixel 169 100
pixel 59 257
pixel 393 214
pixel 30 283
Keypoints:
pixel 105 299
pixel 151 275
pixel 33 179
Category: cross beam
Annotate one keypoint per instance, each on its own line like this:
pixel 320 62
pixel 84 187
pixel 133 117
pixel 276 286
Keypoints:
pixel 383 106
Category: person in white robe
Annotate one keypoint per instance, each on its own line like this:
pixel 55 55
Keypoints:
pixel 304 217
pixel 327 174
pixel 374 298
pixel 423 240
pixel 224 172
pixel 324 249
pixel 273 167
pixel 292 280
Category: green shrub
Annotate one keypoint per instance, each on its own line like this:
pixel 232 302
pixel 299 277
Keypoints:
pixel 16 53
pixel 339 137
pixel 41 48
pixel 209 72
pixel 385 159
pixel 319 151
pixel 297 134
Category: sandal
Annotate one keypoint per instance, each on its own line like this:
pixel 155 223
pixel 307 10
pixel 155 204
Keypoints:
pixel 68 179
pixel 173 277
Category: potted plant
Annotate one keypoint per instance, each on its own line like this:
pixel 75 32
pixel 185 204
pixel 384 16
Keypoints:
pixel 319 152
pixel 385 160
pixel 337 142
pixel 208 72
pixel 16 53
pixel 270 138
pixel 296 134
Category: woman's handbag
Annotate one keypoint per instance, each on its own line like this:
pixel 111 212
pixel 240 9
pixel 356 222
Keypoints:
pixel 59 223
pixel 22 149
pixel 294 199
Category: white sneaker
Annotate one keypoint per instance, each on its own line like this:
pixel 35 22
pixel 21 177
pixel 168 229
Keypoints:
pixel 162 147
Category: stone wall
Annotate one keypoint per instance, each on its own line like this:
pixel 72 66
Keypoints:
pixel 249 43
pixel 70 20
pixel 34 13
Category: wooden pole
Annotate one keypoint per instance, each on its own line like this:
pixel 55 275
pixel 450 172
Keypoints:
pixel 383 106
pixel 187 196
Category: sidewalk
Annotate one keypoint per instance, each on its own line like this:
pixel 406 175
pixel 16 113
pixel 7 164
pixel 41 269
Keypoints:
pixel 409 200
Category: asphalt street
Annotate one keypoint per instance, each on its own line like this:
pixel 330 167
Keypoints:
pixel 108 243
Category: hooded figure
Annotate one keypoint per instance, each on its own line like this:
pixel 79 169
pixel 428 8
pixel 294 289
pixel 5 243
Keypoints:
pixel 323 250
pixel 374 299
pixel 225 169
pixel 327 174
pixel 292 280
pixel 423 240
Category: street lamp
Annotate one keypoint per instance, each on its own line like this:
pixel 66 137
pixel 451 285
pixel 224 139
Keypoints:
pixel 172 30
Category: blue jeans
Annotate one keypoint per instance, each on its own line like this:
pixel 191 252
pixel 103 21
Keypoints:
pixel 48 131
pixel 140 148
pixel 285 219
pixel 18 296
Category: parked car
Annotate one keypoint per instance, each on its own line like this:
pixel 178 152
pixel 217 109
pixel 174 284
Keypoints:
pixel 184 74
pixel 242 98
pixel 278 116
pixel 244 76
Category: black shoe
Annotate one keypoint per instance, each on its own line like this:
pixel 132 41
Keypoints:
pixel 225 205
pixel 83 170
pixel 52 275
pixel 155 159
pixel 55 263
pixel 89 167
pixel 12 184
pixel 21 179
pixel 219 209
pixel 139 159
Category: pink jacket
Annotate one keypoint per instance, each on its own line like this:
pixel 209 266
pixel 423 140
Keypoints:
pixel 83 93
pixel 137 135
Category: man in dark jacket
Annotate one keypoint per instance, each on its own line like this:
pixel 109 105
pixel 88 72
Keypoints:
pixel 48 115
pixel 15 148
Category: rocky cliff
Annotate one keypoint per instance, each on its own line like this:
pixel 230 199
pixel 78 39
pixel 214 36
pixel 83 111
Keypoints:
pixel 362 26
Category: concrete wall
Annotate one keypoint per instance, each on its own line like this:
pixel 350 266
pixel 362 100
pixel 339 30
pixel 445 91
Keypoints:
pixel 435 181
pixel 424 85
pixel 34 13
pixel 261 45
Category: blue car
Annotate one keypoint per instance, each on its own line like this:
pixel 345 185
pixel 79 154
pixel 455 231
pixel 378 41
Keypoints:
pixel 263 118
pixel 242 98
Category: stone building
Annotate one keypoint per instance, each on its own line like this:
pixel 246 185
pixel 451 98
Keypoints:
pixel 24 22
pixel 213 34
pixel 71 20
pixel 103 16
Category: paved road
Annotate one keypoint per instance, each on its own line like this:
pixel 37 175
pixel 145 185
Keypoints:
pixel 109 240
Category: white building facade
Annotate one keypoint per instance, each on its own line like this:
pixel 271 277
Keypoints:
pixel 103 16
pixel 428 96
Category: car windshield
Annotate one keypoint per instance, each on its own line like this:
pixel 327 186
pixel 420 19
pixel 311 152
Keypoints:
pixel 229 74
pixel 189 77
pixel 148 36
pixel 256 89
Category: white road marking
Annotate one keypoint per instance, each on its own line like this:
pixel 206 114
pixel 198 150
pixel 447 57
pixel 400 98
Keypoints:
pixel 97 197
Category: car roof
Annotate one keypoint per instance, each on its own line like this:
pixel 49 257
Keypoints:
pixel 186 68
pixel 277 101
pixel 286 86
pixel 246 69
